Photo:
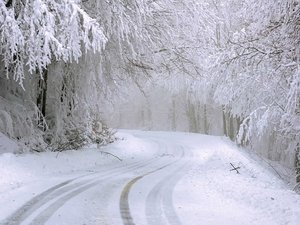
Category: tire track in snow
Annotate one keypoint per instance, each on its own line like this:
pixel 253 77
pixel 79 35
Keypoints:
pixel 25 210
pixel 124 204
pixel 43 198
pixel 159 201
pixel 43 216
pixel 124 199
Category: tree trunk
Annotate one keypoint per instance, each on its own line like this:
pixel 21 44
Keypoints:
pixel 297 163
pixel 231 128
pixel 193 127
pixel 224 121
pixel 173 114
pixel 205 120
pixel 42 97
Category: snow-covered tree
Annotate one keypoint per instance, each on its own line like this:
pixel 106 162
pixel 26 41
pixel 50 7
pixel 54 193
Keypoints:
pixel 35 35
pixel 257 77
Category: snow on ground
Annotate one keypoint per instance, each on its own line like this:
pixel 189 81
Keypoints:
pixel 196 188
pixel 7 145
pixel 23 176
pixel 254 196
pixel 19 169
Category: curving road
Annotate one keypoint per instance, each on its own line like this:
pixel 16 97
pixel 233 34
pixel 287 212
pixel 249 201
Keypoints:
pixel 185 180
pixel 119 181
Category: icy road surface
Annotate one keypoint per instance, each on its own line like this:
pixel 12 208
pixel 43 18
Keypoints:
pixel 163 178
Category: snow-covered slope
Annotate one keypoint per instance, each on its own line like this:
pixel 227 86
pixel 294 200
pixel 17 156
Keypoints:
pixel 162 178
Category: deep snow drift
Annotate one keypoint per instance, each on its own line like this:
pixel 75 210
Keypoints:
pixel 163 178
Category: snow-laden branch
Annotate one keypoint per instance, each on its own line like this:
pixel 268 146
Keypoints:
pixel 40 31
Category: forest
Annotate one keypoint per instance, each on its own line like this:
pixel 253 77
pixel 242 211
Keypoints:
pixel 70 70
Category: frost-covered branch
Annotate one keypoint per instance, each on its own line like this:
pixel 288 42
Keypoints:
pixel 44 31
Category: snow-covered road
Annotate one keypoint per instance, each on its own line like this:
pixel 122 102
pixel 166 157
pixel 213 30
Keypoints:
pixel 163 178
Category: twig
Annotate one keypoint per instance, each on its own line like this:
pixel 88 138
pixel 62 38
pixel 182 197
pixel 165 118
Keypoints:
pixel 111 155
pixel 296 187
pixel 271 167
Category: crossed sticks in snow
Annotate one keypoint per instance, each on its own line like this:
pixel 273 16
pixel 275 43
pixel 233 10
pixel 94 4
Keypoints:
pixel 235 168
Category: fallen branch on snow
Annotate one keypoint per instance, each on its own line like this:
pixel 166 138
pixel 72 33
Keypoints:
pixel 235 168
